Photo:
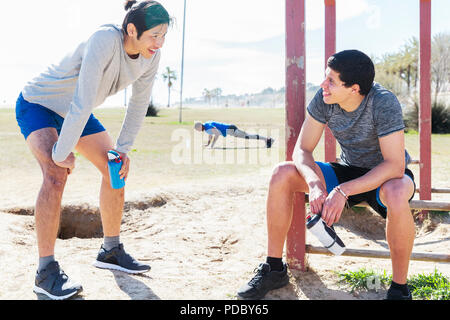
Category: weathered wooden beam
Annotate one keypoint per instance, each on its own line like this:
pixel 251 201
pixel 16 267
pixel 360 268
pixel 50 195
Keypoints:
pixel 437 190
pixel 380 254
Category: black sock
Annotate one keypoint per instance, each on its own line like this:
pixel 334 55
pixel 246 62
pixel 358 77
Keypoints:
pixel 276 264
pixel 402 287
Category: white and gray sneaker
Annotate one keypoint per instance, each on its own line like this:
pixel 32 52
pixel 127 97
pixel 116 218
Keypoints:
pixel 54 283
pixel 118 259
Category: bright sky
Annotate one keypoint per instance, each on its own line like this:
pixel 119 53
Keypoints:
pixel 235 45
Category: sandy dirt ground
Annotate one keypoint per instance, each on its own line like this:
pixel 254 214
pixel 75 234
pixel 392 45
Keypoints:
pixel 203 240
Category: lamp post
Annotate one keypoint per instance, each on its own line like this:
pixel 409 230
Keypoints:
pixel 182 64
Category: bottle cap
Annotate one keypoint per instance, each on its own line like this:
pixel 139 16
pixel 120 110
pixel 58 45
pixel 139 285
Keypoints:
pixel 312 220
pixel 112 155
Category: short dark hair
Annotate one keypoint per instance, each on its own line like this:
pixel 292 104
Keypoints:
pixel 145 15
pixel 354 67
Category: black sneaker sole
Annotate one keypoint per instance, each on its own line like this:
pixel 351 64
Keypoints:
pixel 104 265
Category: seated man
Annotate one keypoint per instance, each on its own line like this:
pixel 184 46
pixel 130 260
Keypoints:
pixel 366 119
pixel 216 129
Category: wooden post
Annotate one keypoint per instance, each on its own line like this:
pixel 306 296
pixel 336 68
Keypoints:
pixel 330 49
pixel 425 100
pixel 295 115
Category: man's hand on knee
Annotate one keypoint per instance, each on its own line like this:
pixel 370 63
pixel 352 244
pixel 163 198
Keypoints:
pixel 68 163
pixel 125 165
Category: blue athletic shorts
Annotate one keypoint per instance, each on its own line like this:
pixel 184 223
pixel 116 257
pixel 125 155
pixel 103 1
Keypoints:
pixel 337 173
pixel 31 117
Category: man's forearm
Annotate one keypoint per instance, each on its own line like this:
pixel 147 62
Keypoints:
pixel 305 164
pixel 374 178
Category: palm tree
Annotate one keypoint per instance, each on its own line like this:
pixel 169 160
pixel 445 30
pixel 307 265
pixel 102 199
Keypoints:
pixel 169 75
pixel 217 92
pixel 440 66
pixel 408 62
pixel 208 95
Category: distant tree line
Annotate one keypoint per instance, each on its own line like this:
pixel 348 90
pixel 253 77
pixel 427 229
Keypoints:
pixel 212 94
pixel 266 97
pixel 399 72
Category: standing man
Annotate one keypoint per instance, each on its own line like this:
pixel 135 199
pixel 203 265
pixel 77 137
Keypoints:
pixel 54 113
pixel 366 119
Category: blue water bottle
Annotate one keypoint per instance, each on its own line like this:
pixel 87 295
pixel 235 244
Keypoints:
pixel 114 166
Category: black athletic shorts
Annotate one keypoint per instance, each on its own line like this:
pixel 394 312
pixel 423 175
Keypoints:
pixel 337 173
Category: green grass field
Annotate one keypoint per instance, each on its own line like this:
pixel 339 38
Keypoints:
pixel 155 146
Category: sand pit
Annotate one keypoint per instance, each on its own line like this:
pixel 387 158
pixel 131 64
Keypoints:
pixel 203 241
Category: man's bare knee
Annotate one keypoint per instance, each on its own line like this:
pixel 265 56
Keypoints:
pixel 55 177
pixel 395 192
pixel 285 174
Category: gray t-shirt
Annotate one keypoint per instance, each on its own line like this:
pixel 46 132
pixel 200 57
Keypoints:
pixel 357 132
pixel 85 77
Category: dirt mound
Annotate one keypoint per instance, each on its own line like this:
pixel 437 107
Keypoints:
pixel 84 220
pixel 363 222
pixel 435 222
pixel 369 224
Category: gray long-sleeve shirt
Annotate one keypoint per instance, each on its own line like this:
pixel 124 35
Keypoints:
pixel 84 78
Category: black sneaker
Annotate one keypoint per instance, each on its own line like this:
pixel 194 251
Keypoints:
pixel 118 259
pixel 54 283
pixel 264 281
pixel 396 294
pixel 269 142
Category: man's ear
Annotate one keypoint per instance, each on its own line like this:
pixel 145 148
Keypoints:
pixel 131 30
pixel 355 88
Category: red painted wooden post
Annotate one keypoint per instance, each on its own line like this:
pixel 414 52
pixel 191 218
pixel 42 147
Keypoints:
pixel 425 100
pixel 330 49
pixel 295 115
